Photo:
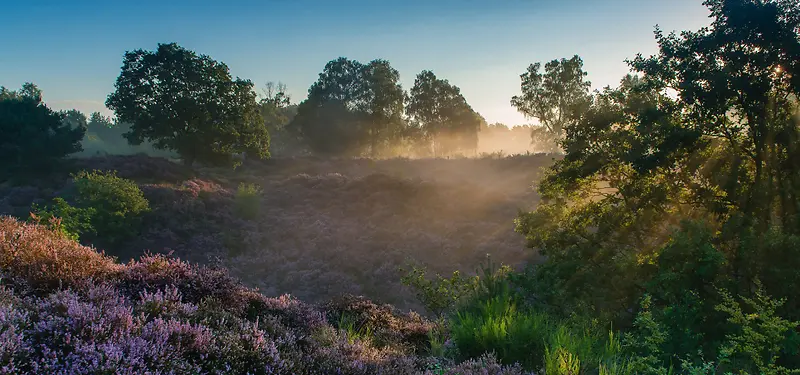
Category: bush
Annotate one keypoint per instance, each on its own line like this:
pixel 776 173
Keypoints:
pixel 70 221
pixel 441 294
pixel 31 253
pixel 118 203
pixel 248 201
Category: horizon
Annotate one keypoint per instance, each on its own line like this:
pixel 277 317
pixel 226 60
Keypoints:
pixel 480 48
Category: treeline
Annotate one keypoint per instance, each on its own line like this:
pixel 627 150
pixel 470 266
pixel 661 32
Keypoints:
pixel 176 102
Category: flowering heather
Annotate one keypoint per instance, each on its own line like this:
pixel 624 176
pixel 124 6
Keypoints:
pixel 66 309
pixel 43 260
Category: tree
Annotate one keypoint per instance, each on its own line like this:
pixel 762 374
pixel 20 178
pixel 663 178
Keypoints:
pixel 32 136
pixel 554 97
pixel 443 114
pixel 368 101
pixel 681 187
pixel 384 104
pixel 278 111
pixel 188 103
pixel 331 119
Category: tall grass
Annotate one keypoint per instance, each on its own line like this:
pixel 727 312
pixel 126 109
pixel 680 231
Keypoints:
pixel 495 320
pixel 248 201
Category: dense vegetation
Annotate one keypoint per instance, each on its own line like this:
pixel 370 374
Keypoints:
pixel 669 230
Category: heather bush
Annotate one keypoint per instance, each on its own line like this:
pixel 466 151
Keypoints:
pixel 484 365
pixel 33 255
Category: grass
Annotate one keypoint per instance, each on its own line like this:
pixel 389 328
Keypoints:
pixel 248 201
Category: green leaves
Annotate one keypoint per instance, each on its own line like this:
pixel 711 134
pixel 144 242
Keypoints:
pixel 441 294
pixel 117 204
pixel 188 103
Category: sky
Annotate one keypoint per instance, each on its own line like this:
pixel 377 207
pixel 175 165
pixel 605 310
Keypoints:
pixel 73 49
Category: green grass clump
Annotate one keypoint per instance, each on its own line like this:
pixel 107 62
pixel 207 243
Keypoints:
pixel 248 201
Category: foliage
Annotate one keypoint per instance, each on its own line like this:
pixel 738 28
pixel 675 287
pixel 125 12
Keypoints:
pixel 248 201
pixel 70 221
pixel 278 111
pixel 442 114
pixel 352 107
pixel 33 138
pixel 679 188
pixel 496 325
pixel 760 336
pixel 188 103
pixel 556 98
pixel 441 294
pixel 116 204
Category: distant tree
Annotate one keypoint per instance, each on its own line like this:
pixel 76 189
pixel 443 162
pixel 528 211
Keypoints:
pixel 368 100
pixel 330 120
pixel 75 118
pixel 32 136
pixel 554 97
pixel 188 103
pixel 443 114
pixel 384 104
pixel 273 102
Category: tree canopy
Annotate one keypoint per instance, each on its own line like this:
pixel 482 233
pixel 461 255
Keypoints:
pixel 32 136
pixel 352 107
pixel 554 97
pixel 188 103
pixel 440 111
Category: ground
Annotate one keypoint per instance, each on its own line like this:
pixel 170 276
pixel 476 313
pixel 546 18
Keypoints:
pixel 325 227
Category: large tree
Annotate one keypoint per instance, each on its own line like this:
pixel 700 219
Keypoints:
pixel 351 108
pixel 682 187
pixel 32 136
pixel 188 103
pixel 554 97
pixel 443 114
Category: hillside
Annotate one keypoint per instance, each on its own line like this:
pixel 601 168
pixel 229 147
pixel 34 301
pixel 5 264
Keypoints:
pixel 67 309
pixel 324 227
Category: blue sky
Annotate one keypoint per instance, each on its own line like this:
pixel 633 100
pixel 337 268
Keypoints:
pixel 73 50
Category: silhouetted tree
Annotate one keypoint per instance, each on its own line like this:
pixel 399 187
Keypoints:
pixel 330 120
pixel 188 103
pixel 443 115
pixel 32 136
pixel 554 97
pixel 367 100
pixel 384 104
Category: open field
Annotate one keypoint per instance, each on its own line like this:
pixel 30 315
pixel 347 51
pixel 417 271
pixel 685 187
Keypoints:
pixel 326 227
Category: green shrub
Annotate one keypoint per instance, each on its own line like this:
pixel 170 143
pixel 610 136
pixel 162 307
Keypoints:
pixel 438 295
pixel 118 203
pixel 248 201
pixel 70 221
